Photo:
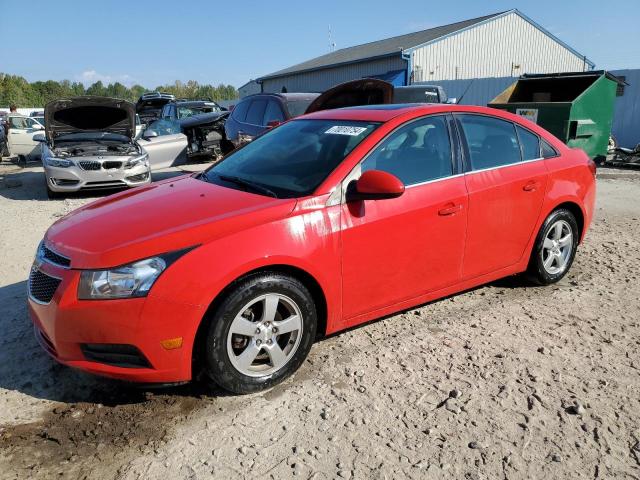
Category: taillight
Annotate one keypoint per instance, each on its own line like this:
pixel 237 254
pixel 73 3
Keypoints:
pixel 592 167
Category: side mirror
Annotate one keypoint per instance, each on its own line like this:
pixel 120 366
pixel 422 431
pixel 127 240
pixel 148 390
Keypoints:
pixel 39 137
pixel 374 185
pixel 273 123
pixel 149 134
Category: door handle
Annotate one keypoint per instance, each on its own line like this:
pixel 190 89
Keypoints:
pixel 449 209
pixel 531 186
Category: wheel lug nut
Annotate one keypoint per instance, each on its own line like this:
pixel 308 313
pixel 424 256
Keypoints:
pixel 274 330
pixel 257 330
pixel 269 342
pixel 258 342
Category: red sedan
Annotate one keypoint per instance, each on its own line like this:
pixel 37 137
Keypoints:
pixel 325 222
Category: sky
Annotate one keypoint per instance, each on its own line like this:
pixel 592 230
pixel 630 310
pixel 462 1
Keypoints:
pixel 154 43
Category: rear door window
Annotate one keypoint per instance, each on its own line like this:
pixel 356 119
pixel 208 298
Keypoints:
pixel 273 113
pixel 255 115
pixel 491 142
pixel 529 143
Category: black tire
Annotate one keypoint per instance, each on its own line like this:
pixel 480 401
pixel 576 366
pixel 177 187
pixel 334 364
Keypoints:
pixel 536 271
pixel 51 195
pixel 217 363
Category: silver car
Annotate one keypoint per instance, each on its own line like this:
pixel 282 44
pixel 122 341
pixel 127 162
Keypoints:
pixel 90 144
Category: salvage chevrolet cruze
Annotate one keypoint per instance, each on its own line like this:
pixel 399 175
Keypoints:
pixel 323 223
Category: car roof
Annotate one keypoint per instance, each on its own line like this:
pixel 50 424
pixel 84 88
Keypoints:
pixel 384 113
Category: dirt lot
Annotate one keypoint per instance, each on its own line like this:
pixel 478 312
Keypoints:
pixel 504 381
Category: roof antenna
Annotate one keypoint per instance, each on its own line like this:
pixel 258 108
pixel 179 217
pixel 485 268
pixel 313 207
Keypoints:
pixel 465 92
pixel 332 44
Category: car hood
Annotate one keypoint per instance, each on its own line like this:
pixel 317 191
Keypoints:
pixel 366 91
pixel 202 119
pixel 89 114
pixel 158 218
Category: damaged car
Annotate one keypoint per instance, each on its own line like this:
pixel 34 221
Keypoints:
pixel 174 139
pixel 89 144
pixel 149 106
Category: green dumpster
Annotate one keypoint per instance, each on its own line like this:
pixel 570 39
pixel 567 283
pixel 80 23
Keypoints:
pixel 576 107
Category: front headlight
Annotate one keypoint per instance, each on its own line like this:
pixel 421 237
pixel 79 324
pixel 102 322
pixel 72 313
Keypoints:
pixel 133 280
pixel 58 162
pixel 136 161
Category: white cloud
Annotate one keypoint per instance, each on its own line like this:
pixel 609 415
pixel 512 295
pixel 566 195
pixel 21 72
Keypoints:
pixel 91 76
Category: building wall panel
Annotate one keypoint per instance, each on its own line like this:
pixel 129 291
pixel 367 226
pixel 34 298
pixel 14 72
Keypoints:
pixel 491 50
pixel 321 80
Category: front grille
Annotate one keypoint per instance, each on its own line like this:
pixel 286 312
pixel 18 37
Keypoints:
pixel 108 165
pixel 42 286
pixel 118 355
pixel 90 165
pixel 45 342
pixel 54 257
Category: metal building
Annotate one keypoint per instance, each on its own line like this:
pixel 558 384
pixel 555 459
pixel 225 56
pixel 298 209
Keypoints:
pixel 503 44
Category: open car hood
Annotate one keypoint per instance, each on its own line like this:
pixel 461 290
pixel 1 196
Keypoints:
pixel 367 91
pixel 89 114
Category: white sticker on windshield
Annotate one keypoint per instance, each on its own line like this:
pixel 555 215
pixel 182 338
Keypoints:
pixel 346 130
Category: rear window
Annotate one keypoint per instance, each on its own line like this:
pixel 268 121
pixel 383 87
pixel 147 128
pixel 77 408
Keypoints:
pixel 298 107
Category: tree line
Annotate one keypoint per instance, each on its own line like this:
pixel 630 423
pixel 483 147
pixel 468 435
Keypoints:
pixel 16 90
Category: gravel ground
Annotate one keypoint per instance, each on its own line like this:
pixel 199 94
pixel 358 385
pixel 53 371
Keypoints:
pixel 504 381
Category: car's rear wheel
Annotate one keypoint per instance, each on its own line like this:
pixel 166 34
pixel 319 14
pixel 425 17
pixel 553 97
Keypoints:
pixel 261 333
pixel 555 248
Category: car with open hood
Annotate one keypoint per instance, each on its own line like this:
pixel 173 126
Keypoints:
pixel 89 144
pixel 328 221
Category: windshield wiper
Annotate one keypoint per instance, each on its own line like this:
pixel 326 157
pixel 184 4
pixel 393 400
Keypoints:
pixel 256 187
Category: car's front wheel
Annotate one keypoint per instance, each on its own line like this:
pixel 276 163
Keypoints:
pixel 555 248
pixel 261 333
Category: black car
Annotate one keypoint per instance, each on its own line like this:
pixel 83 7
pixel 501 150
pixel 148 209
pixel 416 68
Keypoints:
pixel 255 114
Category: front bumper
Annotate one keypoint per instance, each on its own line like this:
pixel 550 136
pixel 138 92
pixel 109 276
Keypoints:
pixel 74 178
pixel 65 326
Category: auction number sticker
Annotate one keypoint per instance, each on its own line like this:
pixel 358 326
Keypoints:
pixel 345 130
pixel 528 113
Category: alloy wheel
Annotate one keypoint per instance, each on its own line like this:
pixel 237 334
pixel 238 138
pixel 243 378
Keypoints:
pixel 557 248
pixel 264 335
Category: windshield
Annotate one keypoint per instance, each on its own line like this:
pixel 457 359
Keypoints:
pixel 298 107
pixel 291 160
pixel 184 112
